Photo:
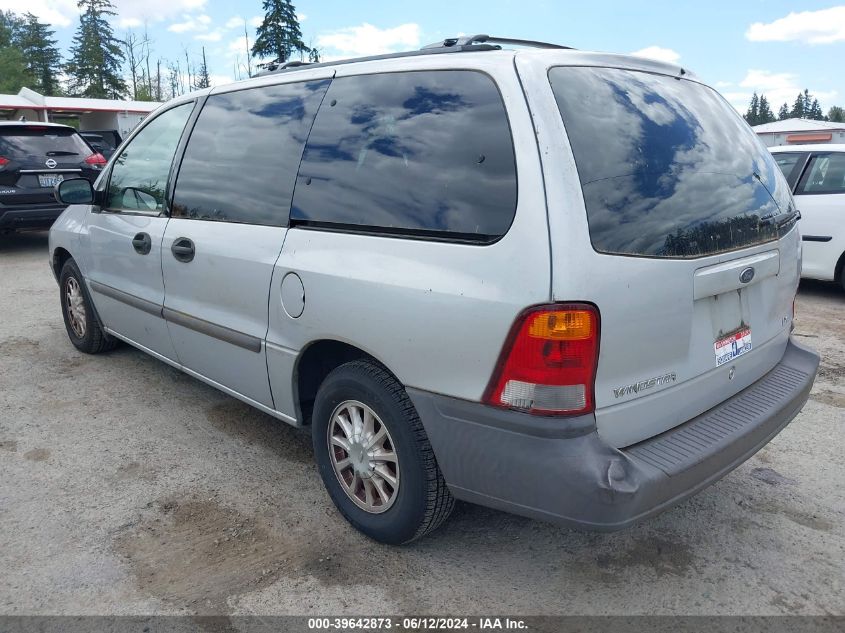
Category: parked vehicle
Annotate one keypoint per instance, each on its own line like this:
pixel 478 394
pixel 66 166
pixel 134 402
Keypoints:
pixel 553 282
pixel 107 140
pixel 33 158
pixel 816 174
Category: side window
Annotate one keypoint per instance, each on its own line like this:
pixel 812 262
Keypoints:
pixel 426 153
pixel 824 174
pixel 139 176
pixel 241 160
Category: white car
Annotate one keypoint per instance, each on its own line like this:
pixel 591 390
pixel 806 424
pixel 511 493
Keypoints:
pixel 816 174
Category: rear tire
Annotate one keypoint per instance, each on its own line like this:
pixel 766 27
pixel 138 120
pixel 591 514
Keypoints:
pixel 384 442
pixel 81 323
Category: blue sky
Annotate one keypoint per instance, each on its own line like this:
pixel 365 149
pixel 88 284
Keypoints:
pixel 770 46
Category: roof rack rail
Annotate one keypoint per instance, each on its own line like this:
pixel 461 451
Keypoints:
pixel 276 65
pixel 466 44
pixel 470 40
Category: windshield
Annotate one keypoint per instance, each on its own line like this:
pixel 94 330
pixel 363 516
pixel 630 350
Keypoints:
pixel 667 167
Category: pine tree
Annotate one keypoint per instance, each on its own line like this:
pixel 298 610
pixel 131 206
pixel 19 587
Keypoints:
pixel 815 111
pixel 96 56
pixel 314 55
pixel 836 114
pixel 13 75
pixel 798 107
pixel 202 78
pixel 783 113
pixel 753 114
pixel 765 113
pixel 279 35
pixel 41 55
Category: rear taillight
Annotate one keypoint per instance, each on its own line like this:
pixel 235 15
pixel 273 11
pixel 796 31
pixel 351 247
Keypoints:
pixel 4 161
pixel 548 363
pixel 96 159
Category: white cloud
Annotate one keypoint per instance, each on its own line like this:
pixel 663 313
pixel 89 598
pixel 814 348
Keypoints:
pixel 237 22
pixel 59 13
pixel 301 17
pixel 779 88
pixel 136 12
pixel 129 23
pixel 813 27
pixel 220 80
pixel 658 53
pixel 366 39
pixel 191 23
pixel 212 36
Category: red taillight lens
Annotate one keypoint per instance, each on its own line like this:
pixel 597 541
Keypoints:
pixel 4 161
pixel 96 159
pixel 548 364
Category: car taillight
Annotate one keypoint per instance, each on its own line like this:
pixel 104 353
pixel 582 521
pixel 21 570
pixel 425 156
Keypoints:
pixel 548 363
pixel 4 161
pixel 96 159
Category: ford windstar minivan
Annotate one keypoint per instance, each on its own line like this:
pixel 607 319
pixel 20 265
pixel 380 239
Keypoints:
pixel 553 282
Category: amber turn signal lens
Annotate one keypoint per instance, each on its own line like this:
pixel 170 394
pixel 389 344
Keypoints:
pixel 559 325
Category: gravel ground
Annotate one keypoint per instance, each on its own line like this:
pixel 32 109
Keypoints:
pixel 127 487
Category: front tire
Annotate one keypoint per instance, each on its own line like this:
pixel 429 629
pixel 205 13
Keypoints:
pixel 374 456
pixel 81 324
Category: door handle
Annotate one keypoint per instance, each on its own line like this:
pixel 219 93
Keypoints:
pixel 142 243
pixel 182 249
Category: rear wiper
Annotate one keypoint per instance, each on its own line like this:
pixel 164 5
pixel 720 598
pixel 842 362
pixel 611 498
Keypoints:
pixel 60 152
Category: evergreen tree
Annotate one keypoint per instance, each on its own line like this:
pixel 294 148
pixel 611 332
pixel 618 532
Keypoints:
pixel 314 55
pixel 765 113
pixel 836 114
pixel 13 72
pixel 799 107
pixel 815 111
pixel 752 116
pixel 41 55
pixel 783 113
pixel 202 78
pixel 279 35
pixel 96 56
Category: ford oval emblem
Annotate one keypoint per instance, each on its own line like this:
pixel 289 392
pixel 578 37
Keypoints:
pixel 50 163
pixel 747 275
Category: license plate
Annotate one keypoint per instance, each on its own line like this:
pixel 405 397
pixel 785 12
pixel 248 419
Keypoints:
pixel 732 346
pixel 49 180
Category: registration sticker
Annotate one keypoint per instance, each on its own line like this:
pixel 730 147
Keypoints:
pixel 732 345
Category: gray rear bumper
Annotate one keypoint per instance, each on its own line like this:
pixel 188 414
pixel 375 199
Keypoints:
pixel 561 471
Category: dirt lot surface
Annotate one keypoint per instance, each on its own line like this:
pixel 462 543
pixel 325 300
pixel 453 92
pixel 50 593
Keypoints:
pixel 128 487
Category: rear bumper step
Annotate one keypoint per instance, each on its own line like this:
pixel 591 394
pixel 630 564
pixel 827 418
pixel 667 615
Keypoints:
pixel 562 471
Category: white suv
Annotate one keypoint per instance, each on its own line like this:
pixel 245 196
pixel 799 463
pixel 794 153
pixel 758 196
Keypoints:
pixel 553 282
pixel 816 174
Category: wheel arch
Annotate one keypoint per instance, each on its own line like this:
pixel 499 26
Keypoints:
pixel 316 361
pixel 57 260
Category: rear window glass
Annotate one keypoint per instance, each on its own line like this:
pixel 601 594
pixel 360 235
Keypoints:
pixel 667 167
pixel 825 174
pixel 424 154
pixel 21 144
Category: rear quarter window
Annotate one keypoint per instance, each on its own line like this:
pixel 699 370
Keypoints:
pixel 667 167
pixel 824 174
pixel 422 153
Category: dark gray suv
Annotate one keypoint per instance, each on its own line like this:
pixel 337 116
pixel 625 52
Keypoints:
pixel 33 158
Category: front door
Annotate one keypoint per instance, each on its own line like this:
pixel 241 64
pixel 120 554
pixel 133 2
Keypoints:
pixel 125 233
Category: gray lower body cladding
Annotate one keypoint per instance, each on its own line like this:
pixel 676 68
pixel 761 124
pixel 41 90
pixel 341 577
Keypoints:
pixel 560 470
pixel 29 216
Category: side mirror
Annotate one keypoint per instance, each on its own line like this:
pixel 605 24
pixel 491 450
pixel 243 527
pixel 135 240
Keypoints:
pixel 74 191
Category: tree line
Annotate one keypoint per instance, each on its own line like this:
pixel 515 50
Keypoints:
pixel 805 106
pixel 99 64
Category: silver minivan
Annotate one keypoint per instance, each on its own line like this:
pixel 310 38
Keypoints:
pixel 553 282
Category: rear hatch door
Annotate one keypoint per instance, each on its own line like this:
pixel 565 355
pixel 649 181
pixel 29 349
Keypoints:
pixel 692 252
pixel 35 158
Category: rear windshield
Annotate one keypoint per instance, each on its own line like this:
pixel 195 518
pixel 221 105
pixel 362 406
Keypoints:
pixel 667 167
pixel 20 144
